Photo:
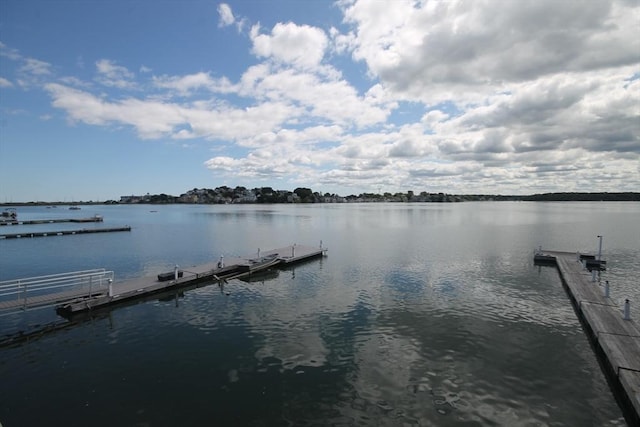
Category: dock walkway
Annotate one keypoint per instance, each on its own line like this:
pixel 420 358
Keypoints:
pixel 616 341
pixel 232 268
pixel 63 232
pixel 95 218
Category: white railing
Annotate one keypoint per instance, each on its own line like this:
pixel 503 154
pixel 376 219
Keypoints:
pixel 32 291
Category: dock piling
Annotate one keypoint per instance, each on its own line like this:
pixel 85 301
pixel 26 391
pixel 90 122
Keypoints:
pixel 600 248
pixel 627 309
pixel 606 289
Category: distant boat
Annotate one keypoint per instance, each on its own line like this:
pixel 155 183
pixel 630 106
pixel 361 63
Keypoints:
pixel 10 213
pixel 74 208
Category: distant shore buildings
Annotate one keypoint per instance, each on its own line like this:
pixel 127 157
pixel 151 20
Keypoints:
pixel 227 195
pixel 240 195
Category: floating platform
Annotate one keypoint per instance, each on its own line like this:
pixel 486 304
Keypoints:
pixel 63 232
pixel 220 271
pixel 95 218
pixel 616 340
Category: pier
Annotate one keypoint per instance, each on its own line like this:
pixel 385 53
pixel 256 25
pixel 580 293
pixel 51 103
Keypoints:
pixel 104 291
pixel 614 336
pixel 95 218
pixel 63 232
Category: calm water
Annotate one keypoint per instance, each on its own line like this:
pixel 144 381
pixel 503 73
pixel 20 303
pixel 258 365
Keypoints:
pixel 421 314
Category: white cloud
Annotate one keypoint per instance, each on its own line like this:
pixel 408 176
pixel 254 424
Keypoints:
pixel 431 50
pixel 10 53
pixel 449 96
pixel 324 99
pixel 35 67
pixel 5 83
pixel 226 15
pixel 185 85
pixel 298 45
pixel 154 119
pixel 113 75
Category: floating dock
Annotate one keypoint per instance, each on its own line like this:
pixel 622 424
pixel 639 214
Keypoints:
pixel 613 334
pixel 95 218
pixel 63 232
pixel 220 271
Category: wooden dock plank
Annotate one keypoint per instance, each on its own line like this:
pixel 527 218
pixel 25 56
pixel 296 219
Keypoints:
pixel 608 319
pixel 622 351
pixel 135 288
pixel 63 232
pixel 583 290
pixel 48 299
pixel 96 218
pixel 630 381
pixel 616 340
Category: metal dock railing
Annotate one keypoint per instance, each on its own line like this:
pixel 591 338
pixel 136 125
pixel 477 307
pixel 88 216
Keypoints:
pixel 42 291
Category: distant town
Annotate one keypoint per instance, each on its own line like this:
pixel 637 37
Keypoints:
pixel 242 195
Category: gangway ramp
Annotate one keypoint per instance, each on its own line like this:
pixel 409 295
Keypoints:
pixel 43 291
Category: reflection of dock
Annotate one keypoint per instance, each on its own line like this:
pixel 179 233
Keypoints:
pixel 95 218
pixel 614 335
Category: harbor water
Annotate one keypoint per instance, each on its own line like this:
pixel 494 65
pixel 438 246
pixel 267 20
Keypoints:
pixel 420 314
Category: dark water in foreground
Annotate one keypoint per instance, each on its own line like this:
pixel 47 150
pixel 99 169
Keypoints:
pixel 425 314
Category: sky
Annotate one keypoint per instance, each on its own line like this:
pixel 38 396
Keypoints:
pixel 100 99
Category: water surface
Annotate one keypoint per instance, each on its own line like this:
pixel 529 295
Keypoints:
pixel 421 314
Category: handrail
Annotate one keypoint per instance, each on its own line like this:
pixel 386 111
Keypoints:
pixel 87 282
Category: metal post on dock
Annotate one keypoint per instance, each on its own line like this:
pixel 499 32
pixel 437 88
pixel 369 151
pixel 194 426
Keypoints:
pixel 600 248
pixel 258 252
pixel 110 288
pixel 627 309
pixel 293 250
pixel 606 289
pixel 175 273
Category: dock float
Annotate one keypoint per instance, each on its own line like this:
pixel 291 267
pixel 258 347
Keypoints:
pixel 63 232
pixel 226 268
pixel 95 218
pixel 614 335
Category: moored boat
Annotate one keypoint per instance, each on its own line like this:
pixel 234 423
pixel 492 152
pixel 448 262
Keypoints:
pixel 9 213
pixel 256 264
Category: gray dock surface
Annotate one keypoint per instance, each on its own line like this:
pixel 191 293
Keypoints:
pixel 616 341
pixel 63 232
pixel 95 218
pixel 211 272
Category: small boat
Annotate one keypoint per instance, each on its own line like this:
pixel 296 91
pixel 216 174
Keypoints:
pixel 10 213
pixel 170 275
pixel 544 259
pixel 256 264
pixel 74 208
